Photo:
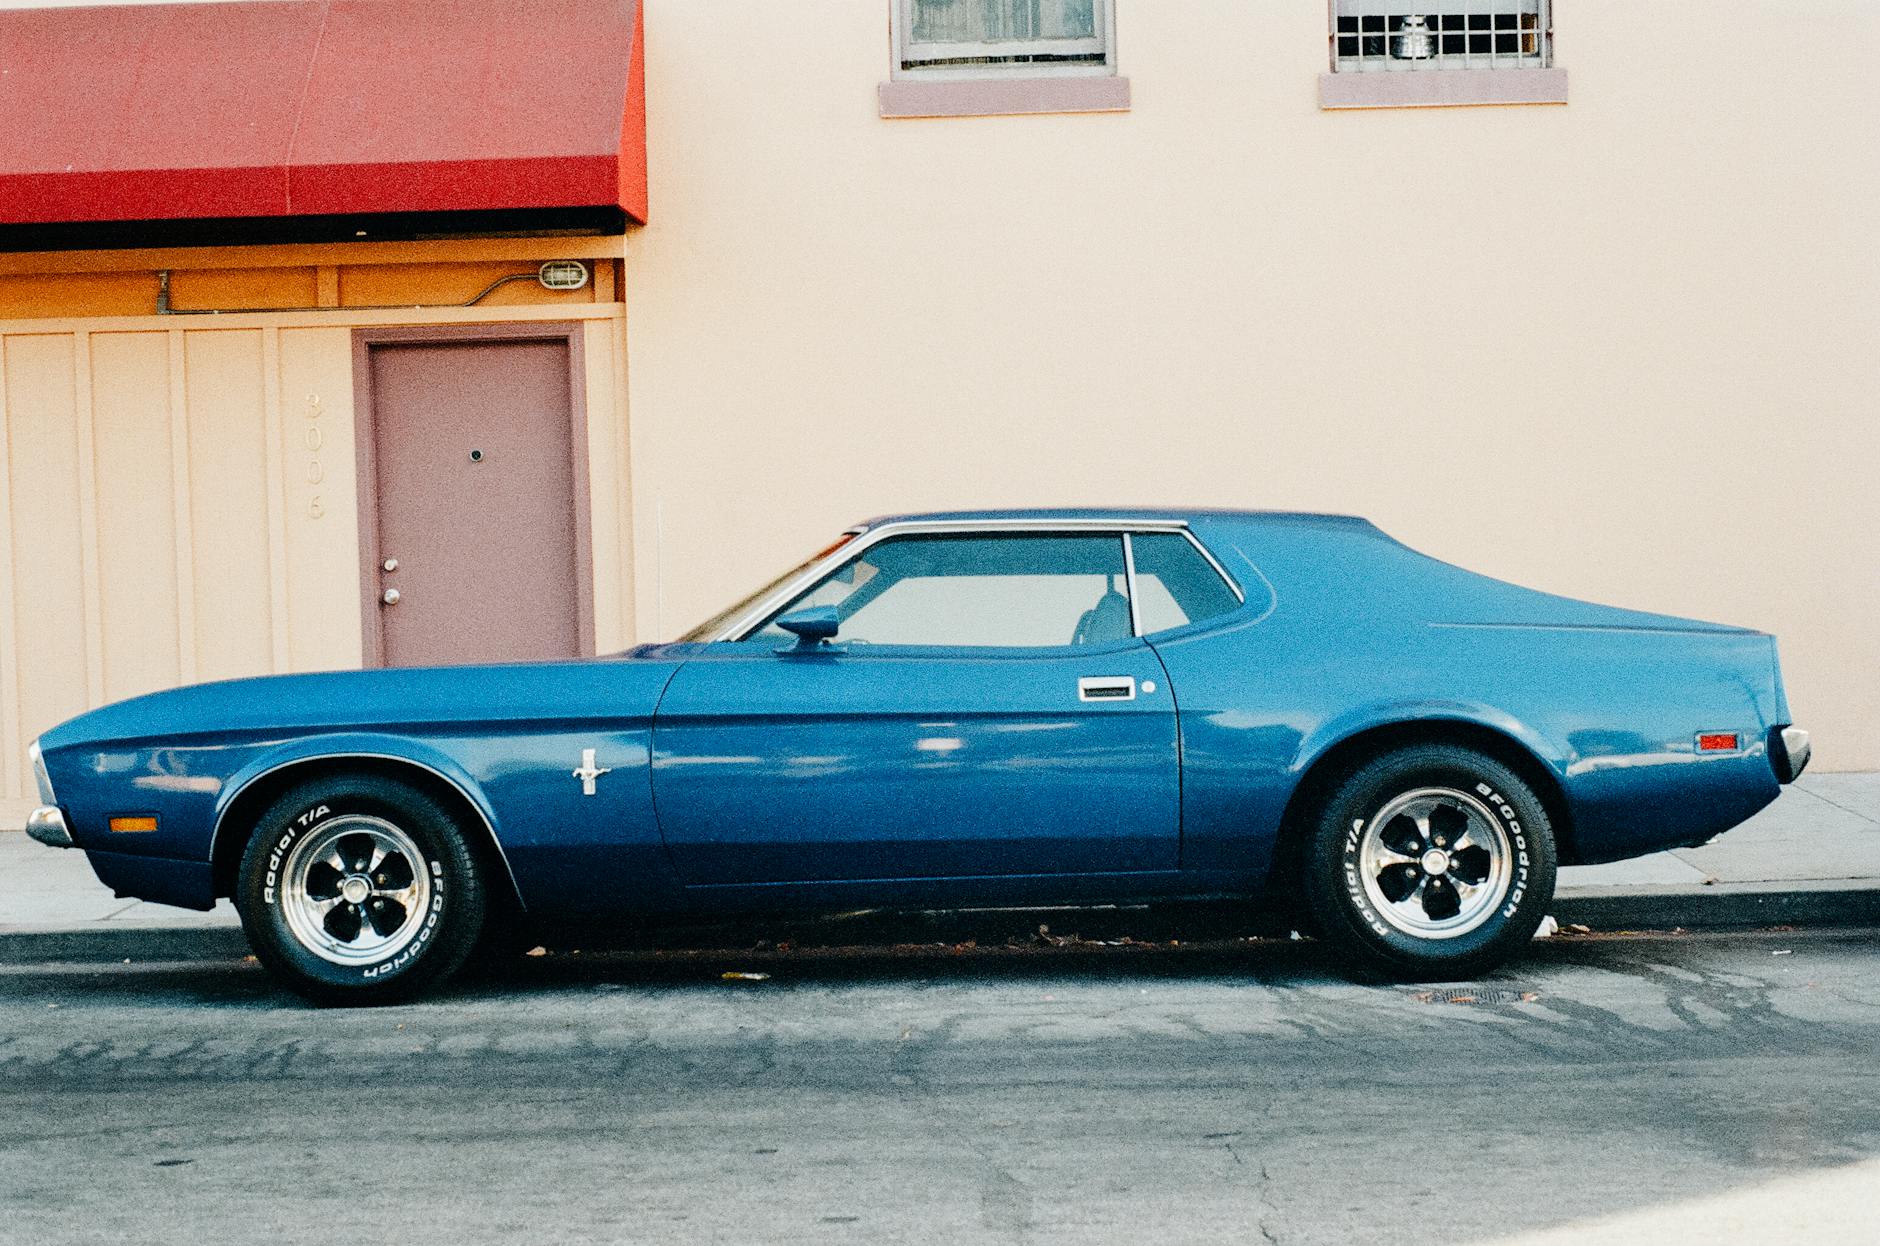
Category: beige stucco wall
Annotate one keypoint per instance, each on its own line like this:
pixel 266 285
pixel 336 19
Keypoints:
pixel 180 503
pixel 1622 349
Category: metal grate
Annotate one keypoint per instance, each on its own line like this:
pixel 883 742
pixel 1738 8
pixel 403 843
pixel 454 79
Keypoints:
pixel 1475 995
pixel 1393 36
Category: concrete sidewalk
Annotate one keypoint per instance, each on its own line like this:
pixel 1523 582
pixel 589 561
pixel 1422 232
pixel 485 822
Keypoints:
pixel 1813 856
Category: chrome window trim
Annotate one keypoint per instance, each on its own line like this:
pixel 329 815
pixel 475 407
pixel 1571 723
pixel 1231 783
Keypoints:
pixel 215 831
pixel 1129 578
pixel 741 627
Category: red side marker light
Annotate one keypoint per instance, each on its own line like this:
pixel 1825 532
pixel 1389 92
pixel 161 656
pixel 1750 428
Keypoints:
pixel 1717 742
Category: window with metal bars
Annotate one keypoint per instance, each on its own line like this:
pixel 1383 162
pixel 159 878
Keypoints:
pixel 1397 35
pixel 975 38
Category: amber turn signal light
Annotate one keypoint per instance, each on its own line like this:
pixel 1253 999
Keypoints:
pixel 1717 742
pixel 133 824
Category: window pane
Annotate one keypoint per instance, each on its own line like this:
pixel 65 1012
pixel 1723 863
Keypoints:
pixel 709 629
pixel 974 21
pixel 1177 585
pixel 977 590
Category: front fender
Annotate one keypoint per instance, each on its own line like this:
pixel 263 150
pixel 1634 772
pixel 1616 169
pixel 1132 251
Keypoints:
pixel 355 746
pixel 340 746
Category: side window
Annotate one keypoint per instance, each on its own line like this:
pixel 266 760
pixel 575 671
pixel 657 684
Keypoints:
pixel 1003 589
pixel 1175 583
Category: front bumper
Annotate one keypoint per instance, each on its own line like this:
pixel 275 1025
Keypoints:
pixel 47 825
pixel 1789 751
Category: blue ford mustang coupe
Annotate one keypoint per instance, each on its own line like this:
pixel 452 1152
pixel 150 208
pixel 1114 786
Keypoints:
pixel 986 709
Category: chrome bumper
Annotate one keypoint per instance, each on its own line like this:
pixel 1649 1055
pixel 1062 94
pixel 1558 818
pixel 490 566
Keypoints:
pixel 1789 751
pixel 47 825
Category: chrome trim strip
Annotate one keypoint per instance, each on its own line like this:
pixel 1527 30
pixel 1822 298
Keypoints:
pixel 216 831
pixel 47 825
pixel 1796 747
pixel 739 628
pixel 1129 578
pixel 41 778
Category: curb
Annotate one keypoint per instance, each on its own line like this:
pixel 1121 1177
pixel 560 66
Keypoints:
pixel 1836 902
pixel 117 943
pixel 1847 902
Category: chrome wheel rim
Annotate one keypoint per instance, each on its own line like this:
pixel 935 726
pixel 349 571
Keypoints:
pixel 355 890
pixel 1435 863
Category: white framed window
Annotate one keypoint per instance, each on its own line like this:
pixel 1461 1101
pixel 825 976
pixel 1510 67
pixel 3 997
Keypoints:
pixel 992 38
pixel 1395 36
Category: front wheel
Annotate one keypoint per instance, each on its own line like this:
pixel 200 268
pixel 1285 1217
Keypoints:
pixel 1430 862
pixel 359 890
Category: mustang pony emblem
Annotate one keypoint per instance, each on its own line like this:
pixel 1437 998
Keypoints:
pixel 589 772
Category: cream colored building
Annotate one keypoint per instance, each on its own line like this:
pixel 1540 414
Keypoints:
pixel 1615 341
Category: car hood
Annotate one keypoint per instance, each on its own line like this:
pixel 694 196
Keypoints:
pixel 619 686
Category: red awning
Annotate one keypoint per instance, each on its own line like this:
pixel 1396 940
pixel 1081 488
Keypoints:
pixel 297 108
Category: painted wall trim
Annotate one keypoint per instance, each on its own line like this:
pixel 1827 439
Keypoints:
pixel 12 724
pixel 1443 88
pixel 337 318
pixel 314 254
pixel 994 97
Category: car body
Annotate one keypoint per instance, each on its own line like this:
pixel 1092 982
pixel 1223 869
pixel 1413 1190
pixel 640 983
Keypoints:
pixel 741 770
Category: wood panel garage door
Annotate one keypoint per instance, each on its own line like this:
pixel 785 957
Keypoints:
pixel 474 500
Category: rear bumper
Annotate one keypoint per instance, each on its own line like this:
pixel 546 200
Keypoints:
pixel 47 825
pixel 1789 751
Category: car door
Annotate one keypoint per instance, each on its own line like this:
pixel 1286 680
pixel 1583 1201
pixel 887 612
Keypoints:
pixel 984 710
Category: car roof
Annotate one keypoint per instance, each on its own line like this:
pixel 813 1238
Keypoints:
pixel 1122 514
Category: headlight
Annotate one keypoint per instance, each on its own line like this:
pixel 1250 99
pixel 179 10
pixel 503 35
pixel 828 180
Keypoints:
pixel 40 776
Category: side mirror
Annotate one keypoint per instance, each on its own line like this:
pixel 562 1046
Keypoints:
pixel 811 626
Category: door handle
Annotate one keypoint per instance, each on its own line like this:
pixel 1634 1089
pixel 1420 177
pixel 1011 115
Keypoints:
pixel 1106 688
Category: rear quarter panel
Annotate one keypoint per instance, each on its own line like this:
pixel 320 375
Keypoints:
pixel 1361 633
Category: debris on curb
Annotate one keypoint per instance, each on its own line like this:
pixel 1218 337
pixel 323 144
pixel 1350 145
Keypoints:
pixel 735 976
pixel 1476 995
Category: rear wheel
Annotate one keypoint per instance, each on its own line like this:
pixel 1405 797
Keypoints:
pixel 359 890
pixel 1430 862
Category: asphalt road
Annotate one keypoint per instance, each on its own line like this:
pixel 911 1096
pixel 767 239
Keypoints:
pixel 1612 1088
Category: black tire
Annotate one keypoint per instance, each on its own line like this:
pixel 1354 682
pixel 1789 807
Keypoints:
pixel 404 871
pixel 1414 834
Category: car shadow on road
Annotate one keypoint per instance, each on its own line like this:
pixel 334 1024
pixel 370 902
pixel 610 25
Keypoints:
pixel 238 982
pixel 221 978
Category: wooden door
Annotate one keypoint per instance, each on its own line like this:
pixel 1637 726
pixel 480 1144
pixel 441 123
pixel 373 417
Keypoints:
pixel 475 527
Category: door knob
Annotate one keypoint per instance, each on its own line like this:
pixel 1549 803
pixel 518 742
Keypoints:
pixel 389 597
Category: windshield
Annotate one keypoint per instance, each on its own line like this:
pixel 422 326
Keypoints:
pixel 710 628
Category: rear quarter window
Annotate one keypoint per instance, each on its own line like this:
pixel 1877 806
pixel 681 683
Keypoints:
pixel 1175 584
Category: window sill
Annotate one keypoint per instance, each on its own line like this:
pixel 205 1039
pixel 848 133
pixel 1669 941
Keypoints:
pixel 1443 88
pixel 996 97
